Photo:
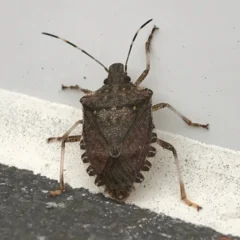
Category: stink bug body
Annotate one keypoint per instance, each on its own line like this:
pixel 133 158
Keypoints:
pixel 118 129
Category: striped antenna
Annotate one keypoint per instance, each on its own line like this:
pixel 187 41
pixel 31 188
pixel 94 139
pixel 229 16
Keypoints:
pixel 51 35
pixel 134 40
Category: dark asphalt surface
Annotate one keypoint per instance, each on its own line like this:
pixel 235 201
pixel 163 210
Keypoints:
pixel 27 212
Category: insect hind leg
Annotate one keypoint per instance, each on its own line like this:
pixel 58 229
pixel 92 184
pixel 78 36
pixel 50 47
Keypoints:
pixel 73 138
pixel 147 49
pixel 169 147
pixel 65 138
pixel 62 185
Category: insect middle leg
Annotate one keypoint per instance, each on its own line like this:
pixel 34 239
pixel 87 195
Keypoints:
pixel 65 135
pixel 77 87
pixel 65 138
pixel 186 120
pixel 147 49
pixel 169 147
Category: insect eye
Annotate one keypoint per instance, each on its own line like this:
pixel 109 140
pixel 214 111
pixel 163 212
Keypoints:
pixel 127 79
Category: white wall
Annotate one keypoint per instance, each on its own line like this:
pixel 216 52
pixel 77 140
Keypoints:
pixel 195 56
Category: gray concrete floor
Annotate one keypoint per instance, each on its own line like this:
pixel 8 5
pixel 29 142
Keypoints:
pixel 27 212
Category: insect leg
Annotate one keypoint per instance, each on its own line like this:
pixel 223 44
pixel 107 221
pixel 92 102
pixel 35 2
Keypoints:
pixel 72 138
pixel 62 187
pixel 65 135
pixel 186 120
pixel 76 87
pixel 65 138
pixel 147 49
pixel 169 147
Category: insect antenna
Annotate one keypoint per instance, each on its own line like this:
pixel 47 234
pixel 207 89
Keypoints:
pixel 134 40
pixel 51 35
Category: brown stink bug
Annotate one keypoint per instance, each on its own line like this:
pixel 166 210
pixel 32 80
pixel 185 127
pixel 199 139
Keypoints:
pixel 118 130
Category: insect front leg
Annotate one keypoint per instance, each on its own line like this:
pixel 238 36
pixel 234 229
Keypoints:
pixel 147 49
pixel 65 138
pixel 169 147
pixel 186 120
pixel 76 87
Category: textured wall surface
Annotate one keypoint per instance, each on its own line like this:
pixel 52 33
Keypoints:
pixel 194 61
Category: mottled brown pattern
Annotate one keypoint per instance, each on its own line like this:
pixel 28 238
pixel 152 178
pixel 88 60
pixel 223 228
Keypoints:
pixel 117 132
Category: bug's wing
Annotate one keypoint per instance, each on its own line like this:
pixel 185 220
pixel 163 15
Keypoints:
pixel 105 132
pixel 117 132
pixel 96 151
pixel 136 145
